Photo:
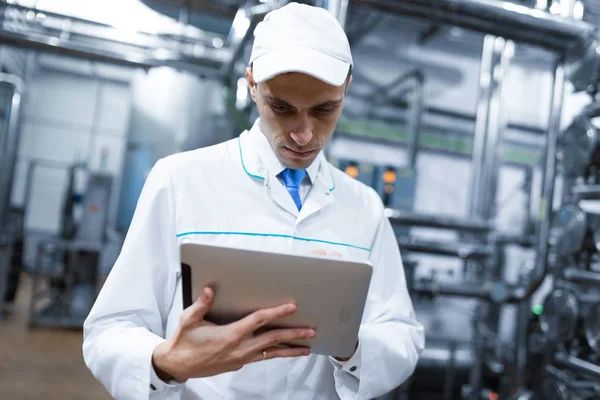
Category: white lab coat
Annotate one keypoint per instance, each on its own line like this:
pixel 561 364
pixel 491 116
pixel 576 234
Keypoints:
pixel 226 196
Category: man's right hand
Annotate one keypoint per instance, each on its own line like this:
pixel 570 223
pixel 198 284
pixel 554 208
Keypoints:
pixel 200 348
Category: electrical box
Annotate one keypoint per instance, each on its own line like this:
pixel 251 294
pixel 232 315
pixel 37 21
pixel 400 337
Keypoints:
pixel 361 171
pixel 397 187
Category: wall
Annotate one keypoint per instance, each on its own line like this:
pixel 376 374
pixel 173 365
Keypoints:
pixel 73 111
pixel 171 109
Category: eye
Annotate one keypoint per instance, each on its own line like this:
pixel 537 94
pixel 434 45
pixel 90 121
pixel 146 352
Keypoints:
pixel 323 111
pixel 280 108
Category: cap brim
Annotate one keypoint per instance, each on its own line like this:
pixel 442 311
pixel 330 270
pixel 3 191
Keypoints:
pixel 304 60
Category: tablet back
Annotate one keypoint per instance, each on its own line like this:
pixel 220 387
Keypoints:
pixel 330 293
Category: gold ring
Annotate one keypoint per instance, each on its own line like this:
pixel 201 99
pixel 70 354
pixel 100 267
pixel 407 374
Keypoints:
pixel 264 355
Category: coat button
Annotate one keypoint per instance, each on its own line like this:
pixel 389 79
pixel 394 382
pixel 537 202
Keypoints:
pixel 268 186
pixel 352 369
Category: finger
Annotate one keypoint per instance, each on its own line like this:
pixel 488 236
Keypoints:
pixel 260 318
pixel 280 352
pixel 196 312
pixel 319 252
pixel 278 336
pixel 336 254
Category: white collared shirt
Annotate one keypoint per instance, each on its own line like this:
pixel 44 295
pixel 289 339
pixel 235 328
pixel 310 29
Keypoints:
pixel 275 166
pixel 227 195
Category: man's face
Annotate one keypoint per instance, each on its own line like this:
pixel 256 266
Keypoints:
pixel 298 114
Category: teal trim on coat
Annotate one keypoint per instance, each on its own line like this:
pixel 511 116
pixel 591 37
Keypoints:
pixel 244 166
pixel 274 235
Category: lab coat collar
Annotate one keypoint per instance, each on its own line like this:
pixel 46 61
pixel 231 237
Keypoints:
pixel 258 162
pixel 258 159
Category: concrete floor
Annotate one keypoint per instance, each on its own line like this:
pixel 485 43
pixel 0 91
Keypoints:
pixel 42 364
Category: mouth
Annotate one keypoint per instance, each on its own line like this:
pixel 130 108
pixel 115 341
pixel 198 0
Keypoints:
pixel 298 154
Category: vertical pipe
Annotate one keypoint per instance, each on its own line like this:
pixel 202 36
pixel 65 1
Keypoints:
pixel 240 33
pixel 339 9
pixel 184 13
pixel 523 315
pixel 490 124
pixel 415 119
pixel 497 122
pixel 8 159
pixel 481 120
pixel 528 189
pixel 549 177
pixel 545 210
pixel 478 344
pixel 478 187
pixel 492 161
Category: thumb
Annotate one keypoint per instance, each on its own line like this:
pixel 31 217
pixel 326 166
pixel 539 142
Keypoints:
pixel 196 312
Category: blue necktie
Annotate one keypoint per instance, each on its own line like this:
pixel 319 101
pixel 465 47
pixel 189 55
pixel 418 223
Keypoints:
pixel 292 179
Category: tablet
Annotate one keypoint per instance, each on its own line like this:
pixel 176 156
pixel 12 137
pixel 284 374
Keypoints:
pixel 330 293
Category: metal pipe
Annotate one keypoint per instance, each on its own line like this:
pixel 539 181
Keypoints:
pixel 522 293
pixel 8 158
pixel 100 42
pixel 380 94
pixel 11 144
pixel 240 33
pixel 481 124
pixel 484 171
pixel 528 190
pixel 102 52
pixel 499 18
pixel 339 9
pixel 586 191
pixel 578 364
pixel 523 241
pixel 415 119
pixel 495 292
pixel 521 339
pixel 462 289
pixel 184 13
pixel 53 25
pixel 548 179
pixel 569 381
pixel 497 122
pixel 461 250
pixel 578 275
pixel 398 217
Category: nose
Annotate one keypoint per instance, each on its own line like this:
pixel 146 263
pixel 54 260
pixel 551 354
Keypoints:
pixel 302 133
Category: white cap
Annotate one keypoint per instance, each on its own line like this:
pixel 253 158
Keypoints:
pixel 301 38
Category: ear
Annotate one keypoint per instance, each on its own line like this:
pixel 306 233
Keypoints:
pixel 251 83
pixel 348 84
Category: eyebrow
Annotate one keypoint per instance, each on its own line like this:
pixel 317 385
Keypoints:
pixel 330 103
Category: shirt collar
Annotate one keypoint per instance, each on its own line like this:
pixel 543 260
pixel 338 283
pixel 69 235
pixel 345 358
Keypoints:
pixel 270 160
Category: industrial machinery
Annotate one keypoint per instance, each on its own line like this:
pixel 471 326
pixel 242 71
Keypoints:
pixel 65 265
pixel 569 317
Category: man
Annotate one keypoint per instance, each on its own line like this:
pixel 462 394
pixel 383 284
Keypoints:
pixel 271 188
